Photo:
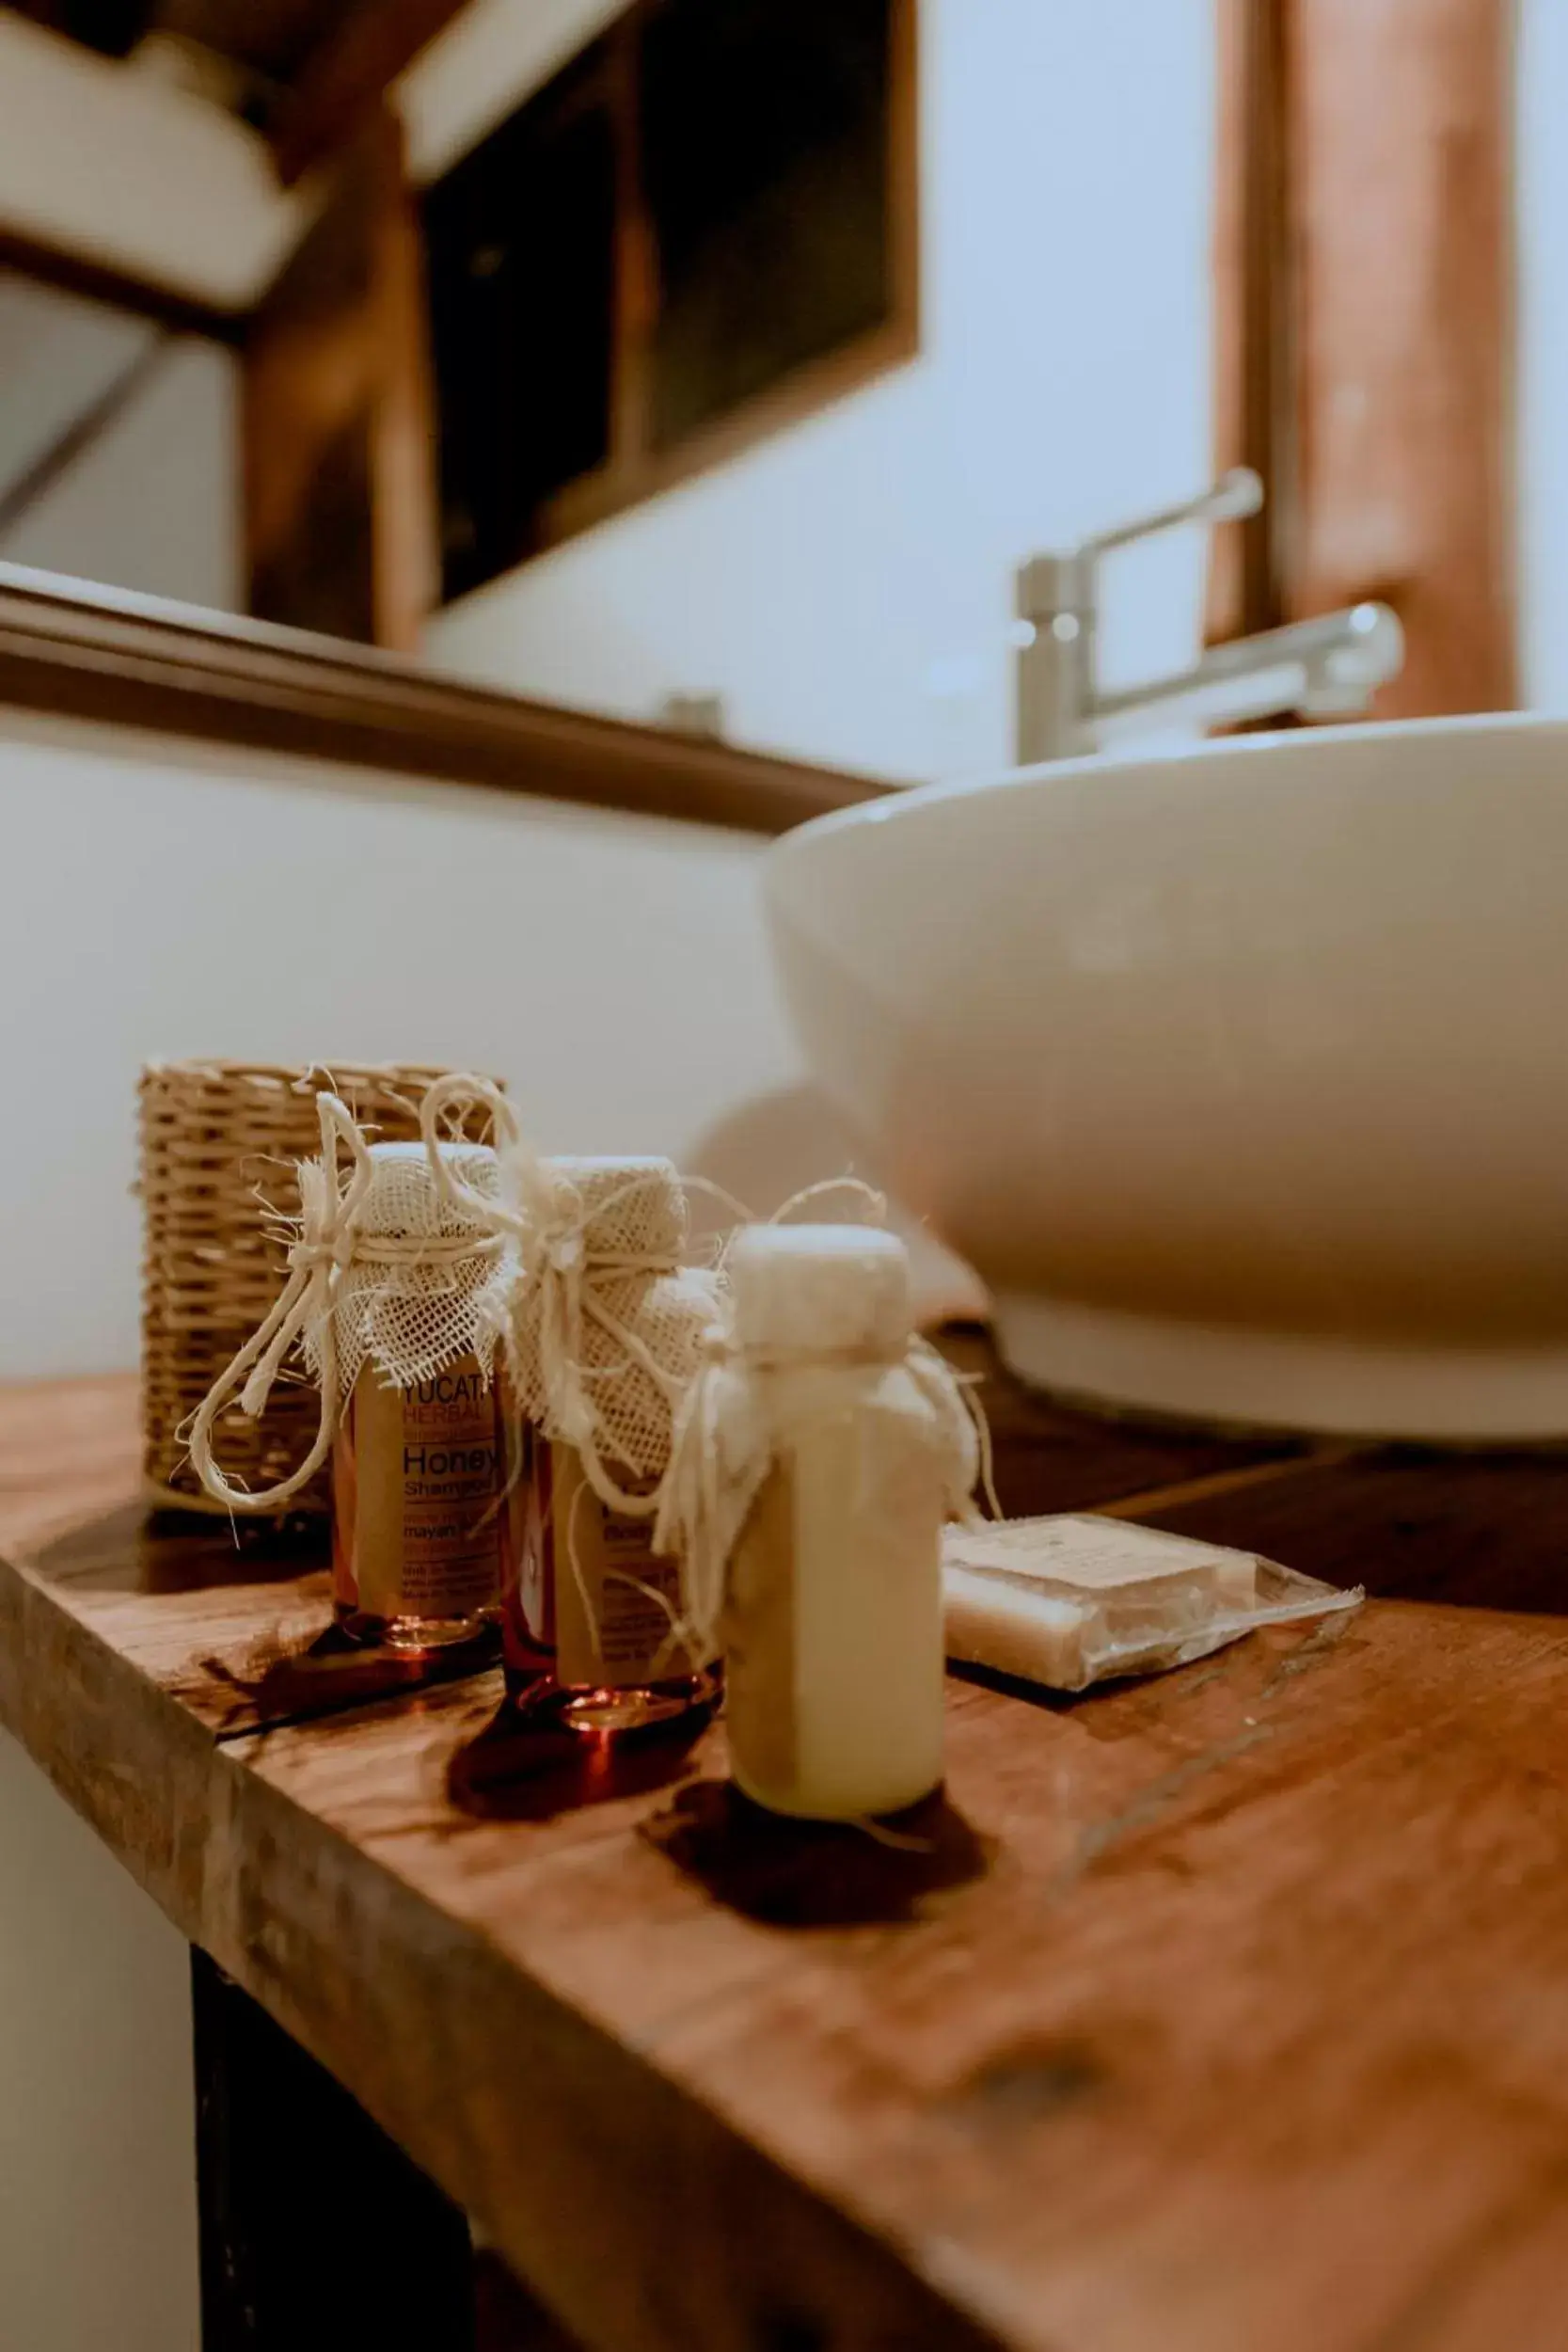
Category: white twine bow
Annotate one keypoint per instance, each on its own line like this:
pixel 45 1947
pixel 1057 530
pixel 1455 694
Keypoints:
pixel 328 1229
pixel 729 1433
pixel 565 1268
pixel 329 1240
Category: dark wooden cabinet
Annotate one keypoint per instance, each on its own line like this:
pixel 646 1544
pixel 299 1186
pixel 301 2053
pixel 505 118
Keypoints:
pixel 703 227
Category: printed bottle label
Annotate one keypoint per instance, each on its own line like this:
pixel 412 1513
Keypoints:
pixel 420 1528
pixel 592 1590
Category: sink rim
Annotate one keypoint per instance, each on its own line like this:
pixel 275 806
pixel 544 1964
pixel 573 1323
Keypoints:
pixel 1282 749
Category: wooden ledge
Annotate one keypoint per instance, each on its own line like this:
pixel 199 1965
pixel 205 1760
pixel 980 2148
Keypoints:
pixel 1219 2010
pixel 77 650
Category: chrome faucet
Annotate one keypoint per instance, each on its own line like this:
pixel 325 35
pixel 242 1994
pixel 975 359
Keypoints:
pixel 1327 667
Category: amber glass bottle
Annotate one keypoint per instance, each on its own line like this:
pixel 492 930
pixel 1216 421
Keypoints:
pixel 422 1520
pixel 589 1618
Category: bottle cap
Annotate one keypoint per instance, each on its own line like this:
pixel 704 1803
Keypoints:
pixel 820 1289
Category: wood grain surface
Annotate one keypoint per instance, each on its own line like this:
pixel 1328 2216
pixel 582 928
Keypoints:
pixel 234 1622
pixel 1208 2013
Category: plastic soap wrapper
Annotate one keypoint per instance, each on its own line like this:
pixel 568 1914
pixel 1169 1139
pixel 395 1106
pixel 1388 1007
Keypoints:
pixel 1077 1600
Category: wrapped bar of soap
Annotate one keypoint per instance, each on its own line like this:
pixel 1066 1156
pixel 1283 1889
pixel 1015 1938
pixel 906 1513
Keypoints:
pixel 1073 1601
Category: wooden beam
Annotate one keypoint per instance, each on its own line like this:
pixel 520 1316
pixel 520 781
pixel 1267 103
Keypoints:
pixel 122 289
pixel 338 412
pixel 322 348
pixel 86 652
pixel 1403 223
pixel 1364 329
pixel 406 536
pixel 347 74
pixel 1254 403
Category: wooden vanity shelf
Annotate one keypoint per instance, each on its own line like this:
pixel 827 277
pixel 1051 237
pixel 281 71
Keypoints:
pixel 74 650
pixel 1219 2011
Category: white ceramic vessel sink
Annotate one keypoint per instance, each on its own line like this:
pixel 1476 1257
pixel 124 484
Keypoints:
pixel 1240 1075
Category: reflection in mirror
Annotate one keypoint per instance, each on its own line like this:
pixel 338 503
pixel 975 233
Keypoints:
pixel 690 349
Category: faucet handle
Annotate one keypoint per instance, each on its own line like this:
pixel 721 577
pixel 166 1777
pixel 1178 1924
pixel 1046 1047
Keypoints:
pixel 1234 495
pixel 1050 586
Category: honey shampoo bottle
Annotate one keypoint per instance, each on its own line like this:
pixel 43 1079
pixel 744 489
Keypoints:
pixel 395 1298
pixel 422 1518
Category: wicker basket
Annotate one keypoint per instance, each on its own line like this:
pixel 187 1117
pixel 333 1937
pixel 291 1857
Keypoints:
pixel 215 1136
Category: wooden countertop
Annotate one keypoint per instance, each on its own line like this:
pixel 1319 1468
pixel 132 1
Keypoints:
pixel 1225 2011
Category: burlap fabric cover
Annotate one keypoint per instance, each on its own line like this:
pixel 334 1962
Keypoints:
pixel 606 1329
pixel 215 1136
pixel 413 1314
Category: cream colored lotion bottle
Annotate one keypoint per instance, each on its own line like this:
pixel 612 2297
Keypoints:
pixel 834 1609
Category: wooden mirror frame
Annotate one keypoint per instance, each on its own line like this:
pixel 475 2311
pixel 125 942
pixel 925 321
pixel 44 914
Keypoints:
pixel 1366 329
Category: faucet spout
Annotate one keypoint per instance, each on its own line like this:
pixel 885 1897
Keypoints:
pixel 1328 666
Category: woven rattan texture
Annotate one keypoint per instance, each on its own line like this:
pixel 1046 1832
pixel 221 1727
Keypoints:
pixel 215 1136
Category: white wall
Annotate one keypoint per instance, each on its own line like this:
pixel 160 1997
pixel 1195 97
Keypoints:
pixel 57 355
pixel 98 2249
pixel 1542 181
pixel 848 586
pixel 153 502
pixel 155 899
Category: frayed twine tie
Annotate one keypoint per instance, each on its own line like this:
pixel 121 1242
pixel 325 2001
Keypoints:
pixel 565 1269
pixel 328 1225
pixel 729 1433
